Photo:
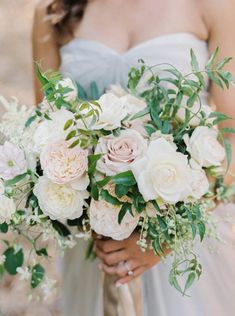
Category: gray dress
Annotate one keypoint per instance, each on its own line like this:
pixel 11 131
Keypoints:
pixel 214 294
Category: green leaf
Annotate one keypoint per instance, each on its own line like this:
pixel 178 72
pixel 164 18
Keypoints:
pixel 60 228
pixel 156 206
pixel 202 230
pixel 212 58
pixel 71 135
pixel 194 230
pixel 68 124
pixel 121 190
pixel 223 62
pixel 42 79
pixel 140 114
pixel 4 228
pixel 139 203
pixel 228 150
pixel 227 130
pixel 103 182
pixel 42 252
pixel 105 195
pixel 38 273
pixel 75 143
pixel 192 99
pixel 216 80
pixel 94 189
pixel 14 259
pixel 126 207
pixel 94 91
pixel 92 162
pixel 15 180
pixel 190 279
pixel 30 120
pixel 194 62
pixel 124 178
pixel 81 92
pixel 150 129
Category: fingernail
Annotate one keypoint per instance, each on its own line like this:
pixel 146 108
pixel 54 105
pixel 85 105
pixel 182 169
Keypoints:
pixel 99 237
pixel 118 284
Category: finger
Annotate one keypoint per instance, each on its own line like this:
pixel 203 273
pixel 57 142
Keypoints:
pixel 109 245
pixel 137 272
pixel 114 258
pixel 100 254
pixel 121 269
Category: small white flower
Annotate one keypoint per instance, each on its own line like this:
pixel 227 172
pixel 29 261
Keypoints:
pixel 7 209
pixel 2 259
pixel 59 201
pixel 24 273
pixel 12 161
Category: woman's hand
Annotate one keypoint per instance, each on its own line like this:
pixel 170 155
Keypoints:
pixel 124 258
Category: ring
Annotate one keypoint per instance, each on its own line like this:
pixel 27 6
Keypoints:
pixel 129 271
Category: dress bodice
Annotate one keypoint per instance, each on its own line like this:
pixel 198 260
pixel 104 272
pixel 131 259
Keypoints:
pixel 86 60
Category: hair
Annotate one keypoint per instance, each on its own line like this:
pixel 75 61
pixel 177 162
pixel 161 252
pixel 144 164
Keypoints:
pixel 66 13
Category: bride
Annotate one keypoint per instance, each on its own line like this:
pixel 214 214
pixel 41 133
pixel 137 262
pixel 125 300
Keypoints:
pixel 100 40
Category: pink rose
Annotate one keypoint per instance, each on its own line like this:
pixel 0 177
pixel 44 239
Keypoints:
pixel 119 152
pixel 62 164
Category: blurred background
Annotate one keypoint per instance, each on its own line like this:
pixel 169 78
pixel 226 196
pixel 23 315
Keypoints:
pixel 16 80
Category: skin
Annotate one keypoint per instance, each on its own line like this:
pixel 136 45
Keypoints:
pixel 120 25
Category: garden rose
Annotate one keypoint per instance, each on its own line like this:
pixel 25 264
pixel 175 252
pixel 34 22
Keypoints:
pixel 62 164
pixel 68 83
pixel 59 202
pixel 104 218
pixel 2 187
pixel 12 161
pixel 204 147
pixel 112 112
pixel 52 130
pixel 163 173
pixel 200 182
pixel 120 152
pixel 7 209
pixel 133 104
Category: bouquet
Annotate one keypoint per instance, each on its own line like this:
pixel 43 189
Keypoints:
pixel 147 158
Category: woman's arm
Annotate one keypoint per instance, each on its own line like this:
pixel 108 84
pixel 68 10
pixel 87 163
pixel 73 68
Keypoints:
pixel 220 18
pixel 45 47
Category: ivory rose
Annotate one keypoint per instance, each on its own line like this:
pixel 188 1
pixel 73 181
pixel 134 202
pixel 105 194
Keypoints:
pixel 12 161
pixel 59 202
pixel 163 173
pixel 7 209
pixel 52 130
pixel 112 112
pixel 204 147
pixel 62 164
pixel 120 152
pixel 200 182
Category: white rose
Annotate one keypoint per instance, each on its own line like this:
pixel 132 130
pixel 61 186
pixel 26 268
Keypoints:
pixel 133 104
pixel 104 220
pixel 200 184
pixel 59 202
pixel 68 83
pixel 163 173
pixel 204 147
pixel 7 209
pixel 112 112
pixel 120 152
pixel 195 113
pixel 52 130
pixel 168 137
